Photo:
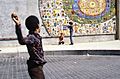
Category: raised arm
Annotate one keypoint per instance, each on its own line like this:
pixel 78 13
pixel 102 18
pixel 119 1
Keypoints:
pixel 16 19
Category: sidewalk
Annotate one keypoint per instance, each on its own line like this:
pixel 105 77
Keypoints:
pixel 107 45
pixel 13 62
pixel 13 66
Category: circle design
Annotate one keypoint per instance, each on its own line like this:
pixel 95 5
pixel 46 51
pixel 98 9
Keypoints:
pixel 92 4
pixel 92 11
pixel 88 16
pixel 92 7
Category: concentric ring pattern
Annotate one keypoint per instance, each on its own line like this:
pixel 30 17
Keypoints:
pixel 88 16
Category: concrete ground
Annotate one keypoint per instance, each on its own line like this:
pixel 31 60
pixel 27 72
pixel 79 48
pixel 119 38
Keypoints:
pixel 93 48
pixel 64 66
pixel 106 45
pixel 13 66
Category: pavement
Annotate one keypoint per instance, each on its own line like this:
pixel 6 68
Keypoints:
pixel 106 45
pixel 63 66
pixel 13 66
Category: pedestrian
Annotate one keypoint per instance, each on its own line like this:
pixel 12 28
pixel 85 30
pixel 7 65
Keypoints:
pixel 61 38
pixel 33 41
pixel 70 26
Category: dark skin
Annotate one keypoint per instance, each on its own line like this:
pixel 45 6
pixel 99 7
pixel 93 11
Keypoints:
pixel 16 19
pixel 61 37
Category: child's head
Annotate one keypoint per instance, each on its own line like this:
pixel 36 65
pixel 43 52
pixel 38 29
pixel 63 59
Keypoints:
pixel 32 23
pixel 71 23
pixel 61 34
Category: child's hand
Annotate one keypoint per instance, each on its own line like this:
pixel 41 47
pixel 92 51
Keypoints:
pixel 15 18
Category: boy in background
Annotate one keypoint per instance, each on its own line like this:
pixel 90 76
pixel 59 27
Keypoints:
pixel 61 38
pixel 70 26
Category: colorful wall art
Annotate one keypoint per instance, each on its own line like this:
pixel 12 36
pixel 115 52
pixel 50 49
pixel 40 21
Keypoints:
pixel 88 16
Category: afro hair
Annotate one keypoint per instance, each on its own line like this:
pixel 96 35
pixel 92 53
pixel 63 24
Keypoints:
pixel 31 23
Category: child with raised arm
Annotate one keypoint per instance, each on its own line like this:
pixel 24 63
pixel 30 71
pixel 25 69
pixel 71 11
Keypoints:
pixel 33 41
pixel 70 26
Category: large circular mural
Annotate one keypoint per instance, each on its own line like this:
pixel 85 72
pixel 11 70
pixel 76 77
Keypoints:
pixel 90 8
pixel 88 16
pixel 92 11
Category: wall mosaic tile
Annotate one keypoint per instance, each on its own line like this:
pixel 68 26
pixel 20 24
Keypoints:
pixel 88 16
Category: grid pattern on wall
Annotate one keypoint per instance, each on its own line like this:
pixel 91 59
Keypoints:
pixel 88 17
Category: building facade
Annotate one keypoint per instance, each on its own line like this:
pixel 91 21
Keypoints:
pixel 96 20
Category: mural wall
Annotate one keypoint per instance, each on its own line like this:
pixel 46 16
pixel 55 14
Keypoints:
pixel 88 16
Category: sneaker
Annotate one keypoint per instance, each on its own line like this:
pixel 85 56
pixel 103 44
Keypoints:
pixel 71 44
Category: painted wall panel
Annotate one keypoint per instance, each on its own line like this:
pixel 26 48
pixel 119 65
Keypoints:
pixel 89 17
pixel 56 14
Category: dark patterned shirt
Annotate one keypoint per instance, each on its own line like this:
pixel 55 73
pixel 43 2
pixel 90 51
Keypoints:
pixel 33 41
pixel 70 28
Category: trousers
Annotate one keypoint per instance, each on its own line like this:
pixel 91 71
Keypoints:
pixel 36 73
pixel 71 40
